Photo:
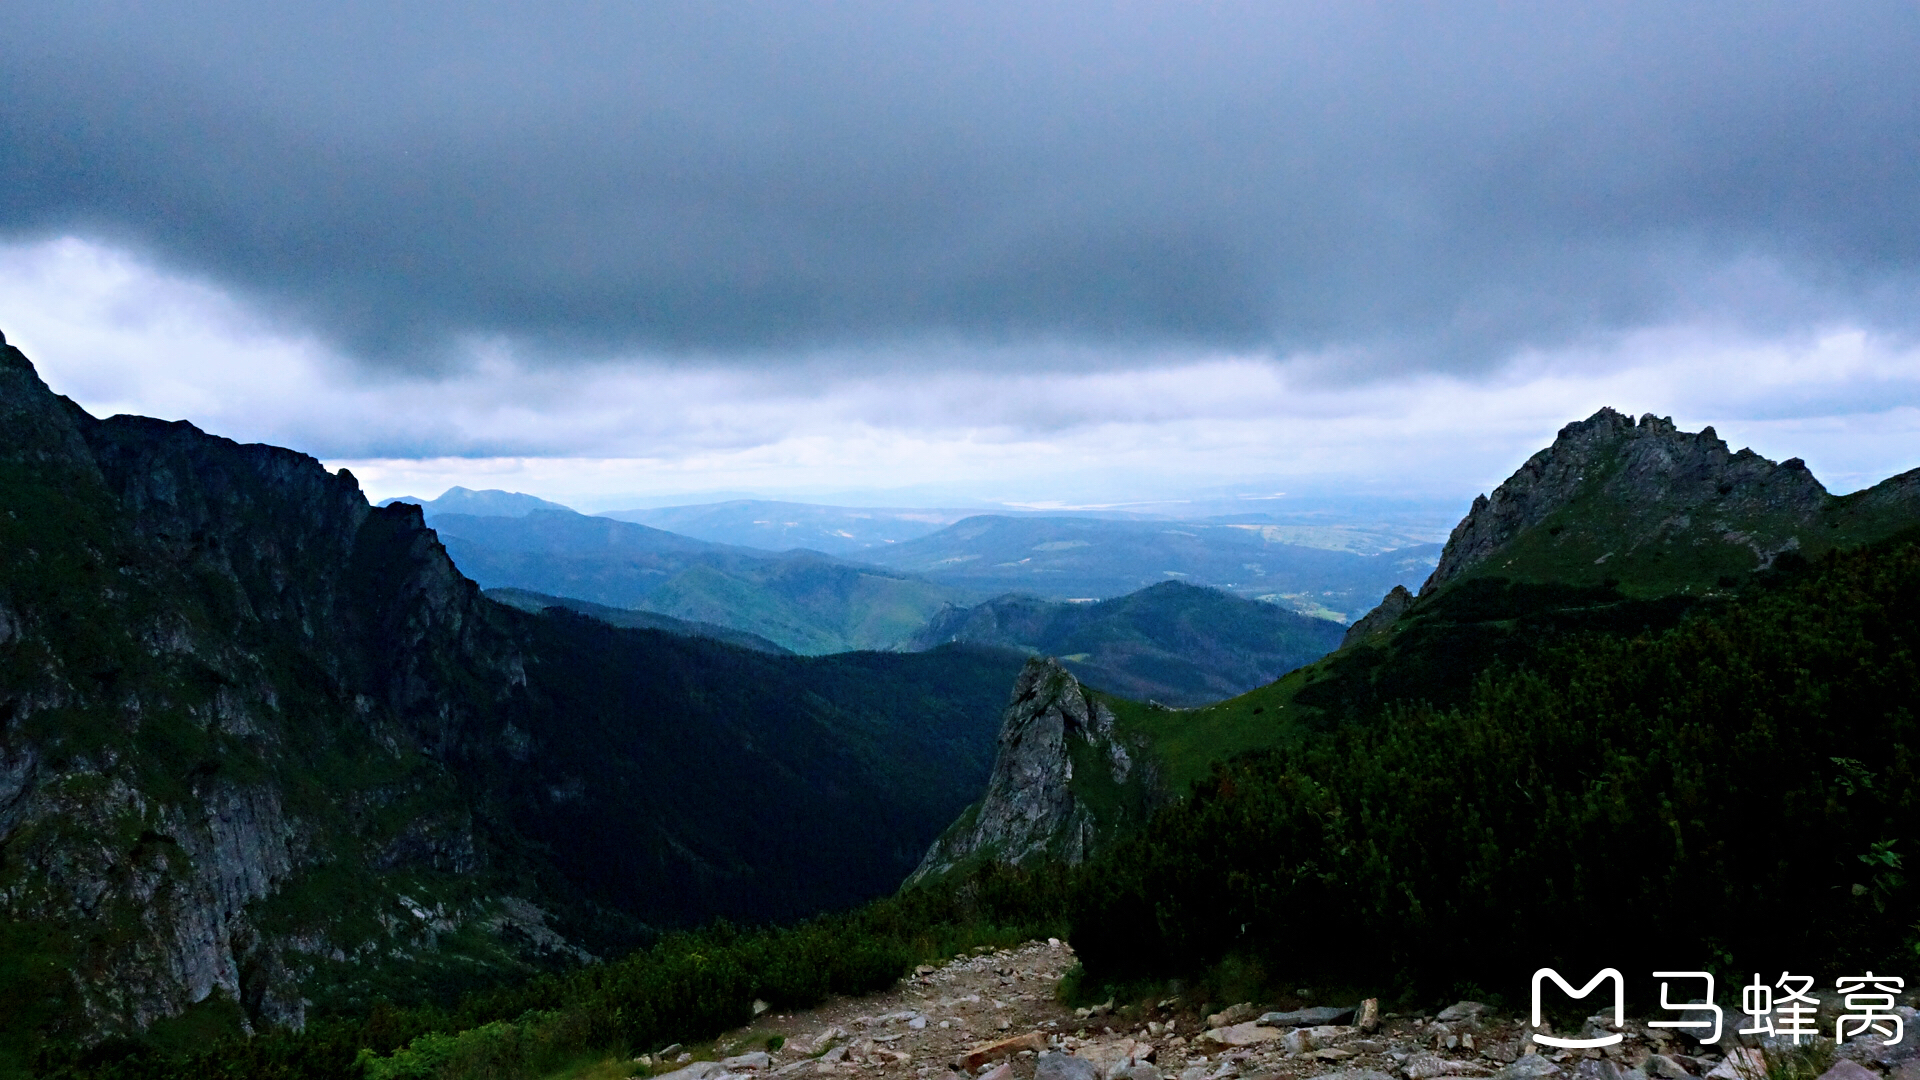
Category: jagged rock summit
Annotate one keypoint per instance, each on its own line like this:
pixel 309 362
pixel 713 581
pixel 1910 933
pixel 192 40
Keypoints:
pixel 1653 510
pixel 1061 772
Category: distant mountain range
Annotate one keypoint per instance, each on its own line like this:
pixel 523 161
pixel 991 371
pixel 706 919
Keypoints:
pixel 489 503
pixel 802 601
pixel 1062 558
pixel 811 603
pixel 782 526
pixel 1173 643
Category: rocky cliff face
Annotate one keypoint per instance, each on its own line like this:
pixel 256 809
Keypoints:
pixel 1063 780
pixel 1655 510
pixel 1664 486
pixel 192 633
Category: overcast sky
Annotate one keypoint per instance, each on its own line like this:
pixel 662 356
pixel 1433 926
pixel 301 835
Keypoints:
pixel 1048 253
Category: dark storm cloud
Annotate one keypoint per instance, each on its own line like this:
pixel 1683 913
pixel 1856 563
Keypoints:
pixel 1415 183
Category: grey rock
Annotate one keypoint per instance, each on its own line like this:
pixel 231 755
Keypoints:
pixel 1314 1017
pixel 1233 1014
pixel 1529 1067
pixel 1141 1072
pixel 1029 810
pixel 1596 1069
pixel 758 1059
pixel 1849 1070
pixel 1664 1066
pixel 1356 1073
pixel 1388 612
pixel 699 1070
pixel 1463 1010
pixel 1681 485
pixel 1054 1065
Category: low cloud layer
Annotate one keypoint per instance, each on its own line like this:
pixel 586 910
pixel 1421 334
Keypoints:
pixel 1383 189
pixel 118 335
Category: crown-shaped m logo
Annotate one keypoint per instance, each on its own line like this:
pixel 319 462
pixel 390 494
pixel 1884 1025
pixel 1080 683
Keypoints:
pixel 1619 1006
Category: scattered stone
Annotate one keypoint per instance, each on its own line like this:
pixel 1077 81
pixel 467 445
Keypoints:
pixel 1849 1070
pixel 1662 1065
pixel 825 1039
pixel 1315 1017
pixel 1742 1063
pixel 672 1049
pixel 1233 1014
pixel 917 1023
pixel 760 1006
pixel 1356 1074
pixel 1367 1046
pixel 1369 1020
pixel 994 1051
pixel 1002 1071
pixel 1426 1066
pixel 1597 1069
pixel 1463 1010
pixel 1529 1067
pixel 1054 1065
pixel 1908 1071
pixel 758 1059
pixel 699 1070
pixel 1246 1034
pixel 1332 1053
pixel 924 969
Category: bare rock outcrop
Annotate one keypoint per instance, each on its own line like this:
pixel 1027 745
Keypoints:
pixel 1032 807
pixel 1653 510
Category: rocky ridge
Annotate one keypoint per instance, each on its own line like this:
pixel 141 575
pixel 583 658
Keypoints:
pixel 153 581
pixel 993 1014
pixel 1653 510
pixel 1035 805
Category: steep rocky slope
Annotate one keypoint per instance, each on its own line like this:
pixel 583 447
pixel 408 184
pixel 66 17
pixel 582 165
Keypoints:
pixel 1063 780
pixel 262 746
pixel 1652 510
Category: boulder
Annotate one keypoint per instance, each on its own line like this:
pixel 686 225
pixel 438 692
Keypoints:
pixel 699 1070
pixel 1666 1067
pixel 1463 1010
pixel 1246 1034
pixel 995 1051
pixel 1054 1065
pixel 1427 1066
pixel 1849 1070
pixel 1233 1014
pixel 1742 1063
pixel 758 1059
pixel 1314 1017
pixel 1529 1067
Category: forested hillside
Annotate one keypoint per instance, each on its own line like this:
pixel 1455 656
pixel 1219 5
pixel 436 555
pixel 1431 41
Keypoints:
pixel 1735 790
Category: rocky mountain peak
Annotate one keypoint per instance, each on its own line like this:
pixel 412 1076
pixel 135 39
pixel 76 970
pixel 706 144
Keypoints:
pixel 1033 806
pixel 1627 485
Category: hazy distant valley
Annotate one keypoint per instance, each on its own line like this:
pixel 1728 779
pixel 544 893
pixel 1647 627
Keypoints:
pixel 1256 599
